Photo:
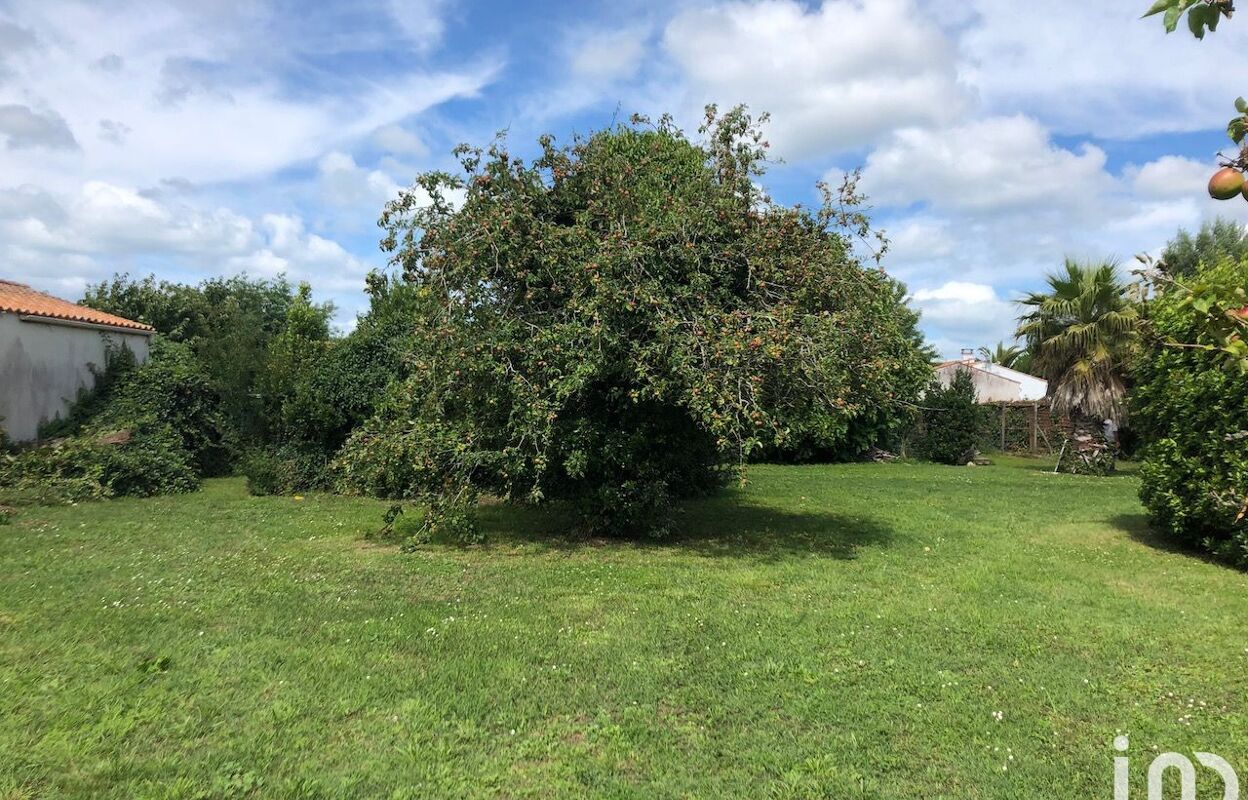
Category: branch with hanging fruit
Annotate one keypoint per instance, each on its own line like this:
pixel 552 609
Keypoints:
pixel 1228 181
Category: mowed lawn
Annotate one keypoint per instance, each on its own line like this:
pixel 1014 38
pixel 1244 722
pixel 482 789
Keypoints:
pixel 829 631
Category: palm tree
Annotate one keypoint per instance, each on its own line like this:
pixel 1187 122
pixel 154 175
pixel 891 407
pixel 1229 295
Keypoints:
pixel 1011 357
pixel 1080 333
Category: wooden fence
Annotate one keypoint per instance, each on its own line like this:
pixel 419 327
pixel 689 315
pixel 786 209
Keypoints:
pixel 1021 426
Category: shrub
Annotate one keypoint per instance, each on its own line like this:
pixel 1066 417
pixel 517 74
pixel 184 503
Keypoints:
pixel 227 322
pixel 347 381
pixel 1191 408
pixel 284 470
pixel 625 321
pixel 149 429
pixel 88 467
pixel 950 421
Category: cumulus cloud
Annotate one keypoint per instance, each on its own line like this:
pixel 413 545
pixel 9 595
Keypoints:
pixel 420 20
pixel 208 96
pixel 997 164
pixel 109 63
pixel 286 246
pixel 113 131
pixel 834 77
pixel 344 183
pixel 103 226
pixel 1169 177
pixel 23 127
pixel 960 314
pixel 14 40
pixel 608 55
pixel 1098 68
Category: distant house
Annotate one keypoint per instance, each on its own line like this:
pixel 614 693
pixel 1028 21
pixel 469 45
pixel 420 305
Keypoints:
pixel 48 349
pixel 993 382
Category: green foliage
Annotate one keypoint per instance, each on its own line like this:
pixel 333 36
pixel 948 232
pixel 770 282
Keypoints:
pixel 227 322
pixel 348 380
pixel 150 429
pixel 85 467
pixel 292 356
pixel 950 421
pixel 1215 241
pixel 286 469
pixel 1081 333
pixel 1192 409
pixel 1009 356
pixel 622 321
pixel 1202 15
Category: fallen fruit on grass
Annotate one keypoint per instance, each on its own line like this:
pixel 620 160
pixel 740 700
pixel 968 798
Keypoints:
pixel 1226 183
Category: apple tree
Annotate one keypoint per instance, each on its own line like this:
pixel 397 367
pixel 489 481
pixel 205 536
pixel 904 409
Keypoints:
pixel 621 323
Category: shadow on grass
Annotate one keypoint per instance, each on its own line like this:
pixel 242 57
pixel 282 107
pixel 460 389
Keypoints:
pixel 1136 526
pixel 720 526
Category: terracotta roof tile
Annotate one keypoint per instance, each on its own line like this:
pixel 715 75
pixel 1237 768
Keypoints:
pixel 18 298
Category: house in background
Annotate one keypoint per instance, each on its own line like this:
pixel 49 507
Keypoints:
pixel 993 382
pixel 48 350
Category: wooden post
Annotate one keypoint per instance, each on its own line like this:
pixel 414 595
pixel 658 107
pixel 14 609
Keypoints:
pixel 1035 426
pixel 1002 427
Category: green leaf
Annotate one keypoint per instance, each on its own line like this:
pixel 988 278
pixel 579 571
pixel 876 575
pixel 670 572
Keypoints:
pixel 1196 21
pixel 1158 7
pixel 1236 130
pixel 1241 105
pixel 1171 20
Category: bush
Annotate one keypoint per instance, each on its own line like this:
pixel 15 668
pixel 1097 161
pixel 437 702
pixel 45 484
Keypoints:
pixel 89 467
pixel 950 421
pixel 228 324
pixel 348 379
pixel 285 470
pixel 623 322
pixel 1191 408
pixel 149 429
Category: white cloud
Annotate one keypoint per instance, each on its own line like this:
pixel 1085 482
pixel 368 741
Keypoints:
pixel 960 314
pixel 67 242
pixel 343 183
pixel 1170 177
pixel 420 20
pixel 23 127
pixel 919 239
pixel 996 164
pixel 287 247
pixel 203 97
pixel 394 138
pixel 608 55
pixel 835 77
pixel 1098 68
pixel 105 219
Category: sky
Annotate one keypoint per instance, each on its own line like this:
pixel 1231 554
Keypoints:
pixel 996 137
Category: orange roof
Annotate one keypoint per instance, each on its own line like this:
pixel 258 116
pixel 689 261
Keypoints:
pixel 18 298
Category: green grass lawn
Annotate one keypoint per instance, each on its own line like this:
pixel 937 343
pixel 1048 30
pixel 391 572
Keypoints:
pixel 845 631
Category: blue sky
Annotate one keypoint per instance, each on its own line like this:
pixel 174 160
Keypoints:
pixel 996 137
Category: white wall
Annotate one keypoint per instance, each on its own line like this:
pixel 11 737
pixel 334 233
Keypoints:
pixel 989 388
pixel 44 365
pixel 1030 387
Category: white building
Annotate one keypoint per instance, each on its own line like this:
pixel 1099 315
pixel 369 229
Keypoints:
pixel 993 382
pixel 48 349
